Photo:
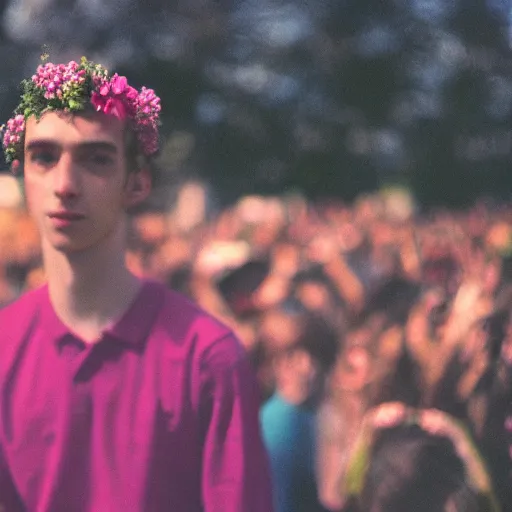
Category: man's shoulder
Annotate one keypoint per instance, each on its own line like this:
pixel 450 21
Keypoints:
pixel 21 310
pixel 181 313
pixel 17 319
pixel 187 324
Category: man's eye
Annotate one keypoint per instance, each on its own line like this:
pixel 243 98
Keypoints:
pixel 100 159
pixel 43 158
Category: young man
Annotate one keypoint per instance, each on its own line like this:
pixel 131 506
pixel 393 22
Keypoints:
pixel 115 393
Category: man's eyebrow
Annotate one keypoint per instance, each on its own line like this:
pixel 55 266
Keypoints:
pixel 39 144
pixel 85 145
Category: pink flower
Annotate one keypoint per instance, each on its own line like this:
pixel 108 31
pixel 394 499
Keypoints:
pixel 10 138
pixel 15 126
pixel 104 89
pixel 115 107
pixel 111 106
pixel 131 93
pixel 110 95
pixel 118 84
pixel 97 101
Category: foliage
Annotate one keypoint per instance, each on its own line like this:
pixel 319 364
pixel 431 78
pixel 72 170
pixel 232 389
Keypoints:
pixel 334 98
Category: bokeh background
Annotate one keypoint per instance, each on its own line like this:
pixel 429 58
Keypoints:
pixel 329 98
pixel 335 187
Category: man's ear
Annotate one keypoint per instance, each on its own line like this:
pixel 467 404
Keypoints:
pixel 138 187
pixel 16 168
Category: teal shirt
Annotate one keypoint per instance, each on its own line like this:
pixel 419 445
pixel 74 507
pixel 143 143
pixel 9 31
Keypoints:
pixel 289 436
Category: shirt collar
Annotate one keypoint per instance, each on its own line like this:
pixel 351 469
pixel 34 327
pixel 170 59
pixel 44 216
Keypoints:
pixel 132 328
pixel 136 323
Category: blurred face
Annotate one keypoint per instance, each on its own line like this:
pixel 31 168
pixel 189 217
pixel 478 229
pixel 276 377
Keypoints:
pixel 278 330
pixel 77 185
pixel 353 370
pixel 296 368
pixel 315 296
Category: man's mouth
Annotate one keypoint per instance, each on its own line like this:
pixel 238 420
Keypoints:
pixel 66 215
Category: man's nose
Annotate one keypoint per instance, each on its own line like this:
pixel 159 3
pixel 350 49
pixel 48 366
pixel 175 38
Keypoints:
pixel 66 179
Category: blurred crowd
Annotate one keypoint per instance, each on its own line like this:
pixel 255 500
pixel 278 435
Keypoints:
pixel 342 307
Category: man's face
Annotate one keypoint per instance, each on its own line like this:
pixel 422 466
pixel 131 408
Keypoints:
pixel 76 179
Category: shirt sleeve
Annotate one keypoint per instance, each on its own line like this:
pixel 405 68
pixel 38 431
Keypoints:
pixel 235 475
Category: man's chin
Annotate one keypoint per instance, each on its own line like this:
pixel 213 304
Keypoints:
pixel 65 246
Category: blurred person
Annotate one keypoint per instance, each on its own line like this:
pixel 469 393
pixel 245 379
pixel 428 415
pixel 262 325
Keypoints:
pixel 239 286
pixel 20 251
pixel 180 280
pixel 147 237
pixel 324 250
pixel 438 332
pixel 387 310
pixel 339 419
pixel 284 261
pixel 440 247
pixel 223 281
pixel 496 386
pixel 116 393
pixel 150 228
pixel 278 328
pixel 419 460
pixel 462 353
pixel 318 294
pixel 288 417
pixel 313 292
pixel 498 236
pixel 477 360
pixel 35 279
pixel 397 375
pixel 370 368
pixel 228 225
pixel 264 220
pixel 384 250
pixel 8 243
pixel 26 251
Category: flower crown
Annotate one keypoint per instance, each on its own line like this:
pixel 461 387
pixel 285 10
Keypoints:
pixel 432 421
pixel 77 87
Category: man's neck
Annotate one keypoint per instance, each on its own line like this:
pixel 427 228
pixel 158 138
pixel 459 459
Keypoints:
pixel 90 290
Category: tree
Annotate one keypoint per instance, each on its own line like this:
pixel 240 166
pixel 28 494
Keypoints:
pixel 332 97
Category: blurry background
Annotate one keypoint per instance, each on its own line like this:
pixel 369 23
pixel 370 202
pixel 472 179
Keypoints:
pixel 331 98
pixel 336 189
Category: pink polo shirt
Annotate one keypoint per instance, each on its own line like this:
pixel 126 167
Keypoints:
pixel 160 415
